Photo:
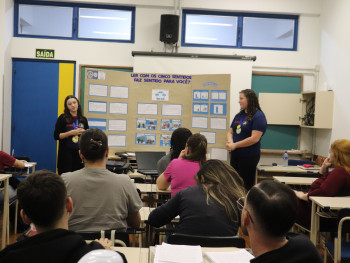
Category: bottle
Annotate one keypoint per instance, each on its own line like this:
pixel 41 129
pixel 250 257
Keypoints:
pixel 285 158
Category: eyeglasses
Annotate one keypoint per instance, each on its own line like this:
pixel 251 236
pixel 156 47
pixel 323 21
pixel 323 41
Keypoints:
pixel 240 206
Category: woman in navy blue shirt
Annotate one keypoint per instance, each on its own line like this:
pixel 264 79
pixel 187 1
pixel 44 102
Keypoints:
pixel 243 138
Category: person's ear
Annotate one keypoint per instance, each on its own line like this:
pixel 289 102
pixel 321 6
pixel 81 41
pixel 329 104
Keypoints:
pixel 81 156
pixel 69 204
pixel 245 218
pixel 25 218
pixel 107 152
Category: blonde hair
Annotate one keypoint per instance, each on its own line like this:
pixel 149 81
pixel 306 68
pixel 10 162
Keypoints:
pixel 221 182
pixel 341 152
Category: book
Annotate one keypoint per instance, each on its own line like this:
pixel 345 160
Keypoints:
pixel 309 167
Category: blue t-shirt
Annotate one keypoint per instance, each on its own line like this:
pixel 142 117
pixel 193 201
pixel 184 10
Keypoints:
pixel 258 123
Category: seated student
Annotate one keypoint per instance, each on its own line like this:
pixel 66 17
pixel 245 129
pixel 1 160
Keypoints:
pixel 207 209
pixel 103 200
pixel 335 182
pixel 181 171
pixel 177 144
pixel 44 202
pixel 268 213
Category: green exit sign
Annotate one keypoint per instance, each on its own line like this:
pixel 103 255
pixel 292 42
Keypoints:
pixel 44 53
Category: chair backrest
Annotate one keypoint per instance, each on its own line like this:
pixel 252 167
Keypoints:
pixel 92 235
pixel 206 241
pixel 344 212
pixel 313 175
pixel 292 162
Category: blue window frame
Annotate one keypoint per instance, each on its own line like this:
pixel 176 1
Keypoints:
pixel 239 30
pixel 40 19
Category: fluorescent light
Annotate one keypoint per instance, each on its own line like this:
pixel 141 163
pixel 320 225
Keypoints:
pixel 202 38
pixel 111 33
pixel 210 24
pixel 104 17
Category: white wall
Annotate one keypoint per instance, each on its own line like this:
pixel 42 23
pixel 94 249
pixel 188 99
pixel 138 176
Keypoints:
pixel 304 61
pixel 335 69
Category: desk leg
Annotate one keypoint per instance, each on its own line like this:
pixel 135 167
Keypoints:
pixel 5 215
pixel 256 175
pixel 313 227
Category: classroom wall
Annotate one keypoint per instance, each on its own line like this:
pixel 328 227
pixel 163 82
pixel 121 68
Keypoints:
pixel 304 61
pixel 334 69
pixel 2 37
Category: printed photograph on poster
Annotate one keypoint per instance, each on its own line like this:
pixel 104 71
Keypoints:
pixel 116 125
pixel 141 124
pixel 119 92
pixel 98 90
pixel 218 123
pixel 218 109
pixel 200 108
pixel 211 136
pixel 172 109
pixel 116 140
pixel 200 122
pixel 146 124
pixel 200 95
pixel 95 74
pixel 170 125
pixel 145 139
pixel 220 154
pixel 97 106
pixel 118 108
pixel 97 123
pixel 147 109
pixel 160 94
pixel 219 96
pixel 165 139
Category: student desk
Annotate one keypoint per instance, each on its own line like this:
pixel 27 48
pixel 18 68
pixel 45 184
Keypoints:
pixel 134 254
pixel 266 172
pixel 318 202
pixel 5 213
pixel 151 189
pixel 294 180
pixel 30 165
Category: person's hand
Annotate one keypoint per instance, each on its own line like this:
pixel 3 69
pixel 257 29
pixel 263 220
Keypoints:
pixel 231 146
pixel 326 164
pixel 105 242
pixel 301 195
pixel 182 153
pixel 78 131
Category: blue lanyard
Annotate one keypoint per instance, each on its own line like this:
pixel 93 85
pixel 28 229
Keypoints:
pixel 75 124
pixel 242 119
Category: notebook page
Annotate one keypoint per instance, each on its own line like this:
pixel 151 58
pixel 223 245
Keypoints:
pixel 240 256
pixel 178 254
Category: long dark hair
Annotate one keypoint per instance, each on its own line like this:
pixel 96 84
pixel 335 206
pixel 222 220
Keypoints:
pixel 68 117
pixel 253 103
pixel 197 144
pixel 178 141
pixel 93 144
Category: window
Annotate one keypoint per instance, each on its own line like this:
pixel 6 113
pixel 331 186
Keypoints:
pixel 74 21
pixel 239 30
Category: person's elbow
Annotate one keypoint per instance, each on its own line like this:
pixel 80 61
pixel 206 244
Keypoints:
pixel 134 220
pixel 19 164
pixel 162 183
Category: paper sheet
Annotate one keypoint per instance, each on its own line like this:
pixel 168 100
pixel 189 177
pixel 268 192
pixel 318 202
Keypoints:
pixel 147 108
pixel 222 96
pixel 117 125
pixel 172 110
pixel 211 136
pixel 214 95
pixel 218 123
pixel 117 140
pixel 98 90
pixel 220 154
pixel 119 92
pixel 240 256
pixel 178 254
pixel 95 106
pixel 160 94
pixel 98 123
pixel 200 122
pixel 118 108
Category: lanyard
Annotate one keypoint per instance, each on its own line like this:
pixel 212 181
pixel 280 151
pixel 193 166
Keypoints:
pixel 75 124
pixel 242 119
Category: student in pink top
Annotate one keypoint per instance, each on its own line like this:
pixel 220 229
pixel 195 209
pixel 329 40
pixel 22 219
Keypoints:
pixel 180 172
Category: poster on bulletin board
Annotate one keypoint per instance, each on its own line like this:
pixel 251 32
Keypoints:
pixel 139 111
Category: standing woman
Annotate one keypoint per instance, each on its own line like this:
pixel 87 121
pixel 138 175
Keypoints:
pixel 69 126
pixel 243 138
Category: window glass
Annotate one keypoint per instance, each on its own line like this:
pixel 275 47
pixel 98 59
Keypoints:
pixel 43 20
pixel 105 24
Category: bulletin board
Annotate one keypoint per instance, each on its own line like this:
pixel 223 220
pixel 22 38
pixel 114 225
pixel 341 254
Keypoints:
pixel 139 111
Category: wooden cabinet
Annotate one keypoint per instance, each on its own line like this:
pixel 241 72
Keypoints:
pixel 308 109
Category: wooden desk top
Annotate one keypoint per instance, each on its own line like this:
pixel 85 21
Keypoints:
pixel 283 169
pixel 294 180
pixel 3 177
pixel 338 202
pixel 151 188
pixel 134 254
pixel 144 212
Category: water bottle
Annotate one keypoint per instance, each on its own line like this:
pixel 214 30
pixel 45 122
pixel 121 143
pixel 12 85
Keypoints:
pixel 285 158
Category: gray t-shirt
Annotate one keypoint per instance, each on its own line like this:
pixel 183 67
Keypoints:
pixel 163 163
pixel 101 199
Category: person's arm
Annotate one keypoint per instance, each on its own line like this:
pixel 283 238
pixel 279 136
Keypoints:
pixel 134 219
pixel 19 164
pixel 229 136
pixel 162 183
pixel 325 165
pixel 301 195
pixel 166 212
pixel 253 139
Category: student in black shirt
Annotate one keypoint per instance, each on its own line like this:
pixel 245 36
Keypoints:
pixel 268 212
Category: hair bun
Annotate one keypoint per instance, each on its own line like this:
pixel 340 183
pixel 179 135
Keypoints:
pixel 96 144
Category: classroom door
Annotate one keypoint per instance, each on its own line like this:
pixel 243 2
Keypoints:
pixel 38 89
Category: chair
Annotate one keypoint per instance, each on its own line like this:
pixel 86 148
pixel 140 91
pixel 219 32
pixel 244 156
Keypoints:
pixel 340 249
pixel 120 239
pixel 292 162
pixel 206 241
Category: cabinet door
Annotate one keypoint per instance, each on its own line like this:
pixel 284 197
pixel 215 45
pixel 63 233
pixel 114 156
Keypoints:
pixel 324 109
pixel 281 108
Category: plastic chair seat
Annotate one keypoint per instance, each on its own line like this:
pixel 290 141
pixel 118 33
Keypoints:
pixel 345 249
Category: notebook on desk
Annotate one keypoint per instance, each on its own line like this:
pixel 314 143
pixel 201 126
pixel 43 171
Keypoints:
pixel 147 162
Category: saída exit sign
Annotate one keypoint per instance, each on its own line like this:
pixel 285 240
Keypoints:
pixel 44 53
